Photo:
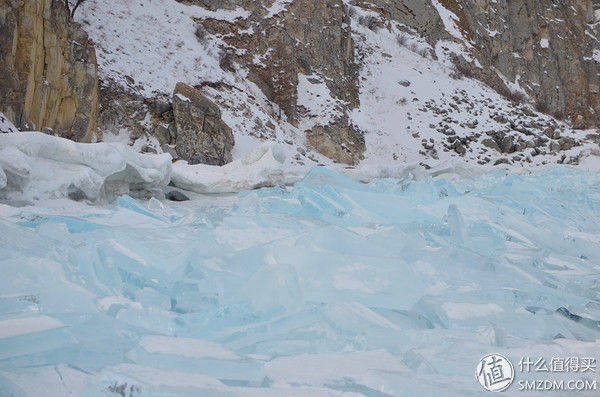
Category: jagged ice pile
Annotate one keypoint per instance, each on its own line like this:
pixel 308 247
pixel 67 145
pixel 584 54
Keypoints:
pixel 396 287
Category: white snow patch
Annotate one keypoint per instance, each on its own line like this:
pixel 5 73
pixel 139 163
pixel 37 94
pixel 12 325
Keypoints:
pixel 154 42
pixel 315 97
pixel 449 19
pixel 261 167
pixel 277 7
pixel 124 137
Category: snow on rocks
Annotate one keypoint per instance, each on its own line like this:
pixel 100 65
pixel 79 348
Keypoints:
pixel 263 166
pixel 450 20
pixel 6 125
pixel 430 113
pixel 415 105
pixel 315 97
pixel 155 42
pixel 35 165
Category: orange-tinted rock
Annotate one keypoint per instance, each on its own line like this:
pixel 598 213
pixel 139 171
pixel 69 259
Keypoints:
pixel 49 72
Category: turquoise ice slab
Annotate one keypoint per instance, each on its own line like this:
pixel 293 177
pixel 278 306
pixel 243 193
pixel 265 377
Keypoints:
pixel 18 304
pixel 24 336
pixel 328 286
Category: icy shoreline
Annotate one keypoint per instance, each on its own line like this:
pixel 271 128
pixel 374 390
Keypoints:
pixel 36 166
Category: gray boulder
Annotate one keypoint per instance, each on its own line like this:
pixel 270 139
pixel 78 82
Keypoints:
pixel 176 195
pixel 339 141
pixel 202 137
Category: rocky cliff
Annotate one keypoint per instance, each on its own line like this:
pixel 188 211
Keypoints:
pixel 279 43
pixel 49 72
pixel 202 137
pixel 542 52
pixel 333 80
pixel 548 48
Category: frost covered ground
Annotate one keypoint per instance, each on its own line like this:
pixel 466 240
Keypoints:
pixel 329 287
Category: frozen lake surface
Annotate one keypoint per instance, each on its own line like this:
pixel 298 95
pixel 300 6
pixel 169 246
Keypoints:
pixel 331 287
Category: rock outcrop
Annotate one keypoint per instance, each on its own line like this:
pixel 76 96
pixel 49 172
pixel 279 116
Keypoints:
pixel 48 66
pixel 6 126
pixel 280 41
pixel 549 48
pixel 188 126
pixel 283 40
pixel 125 108
pixel 201 136
pixel 338 141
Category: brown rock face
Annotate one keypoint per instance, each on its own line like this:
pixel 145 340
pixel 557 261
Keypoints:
pixel 307 37
pixel 202 137
pixel 338 141
pixel 48 66
pixel 546 45
pixel 125 108
pixel 550 46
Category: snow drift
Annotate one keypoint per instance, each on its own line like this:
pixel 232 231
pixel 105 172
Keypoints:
pixel 35 166
pixel 264 166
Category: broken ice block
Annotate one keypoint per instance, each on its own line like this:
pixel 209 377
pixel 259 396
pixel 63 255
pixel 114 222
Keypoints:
pixel 196 355
pixel 27 335
pixel 13 305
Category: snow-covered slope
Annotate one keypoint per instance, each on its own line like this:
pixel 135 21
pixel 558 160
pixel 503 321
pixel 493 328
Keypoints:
pixel 414 107
pixel 152 45
pixel 418 109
